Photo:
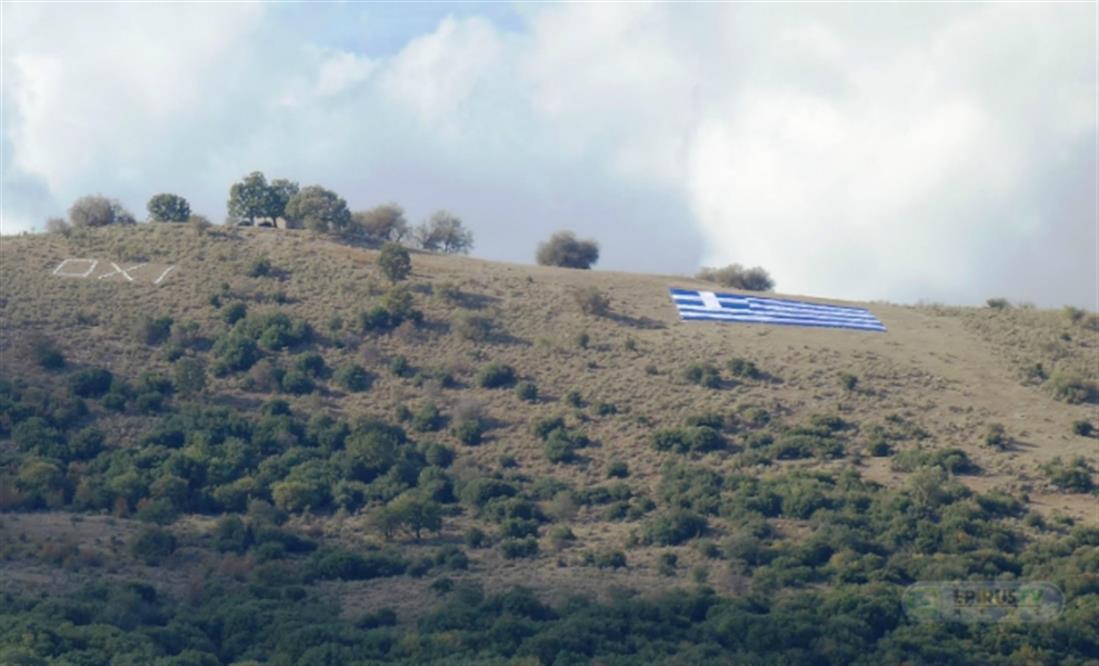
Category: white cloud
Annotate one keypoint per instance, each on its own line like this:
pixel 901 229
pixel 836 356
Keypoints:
pixel 885 152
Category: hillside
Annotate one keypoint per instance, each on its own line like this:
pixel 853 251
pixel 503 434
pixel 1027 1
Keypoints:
pixel 793 471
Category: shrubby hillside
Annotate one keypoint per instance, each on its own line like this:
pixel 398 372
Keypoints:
pixel 238 445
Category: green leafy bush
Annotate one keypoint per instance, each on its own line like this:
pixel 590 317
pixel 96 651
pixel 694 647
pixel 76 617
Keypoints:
pixel 742 367
pixel 513 549
pixel 673 528
pixel 152 545
pixel 90 382
pixel 705 375
pixel 495 375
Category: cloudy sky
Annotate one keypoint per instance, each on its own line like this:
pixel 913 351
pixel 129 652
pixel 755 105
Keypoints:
pixel 869 151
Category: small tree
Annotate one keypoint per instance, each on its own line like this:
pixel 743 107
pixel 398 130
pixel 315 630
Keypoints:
pixel 167 207
pixel 318 209
pixel 416 513
pixel 189 376
pixel 443 232
pixel 96 210
pixel 380 224
pixel 565 250
pixel 394 261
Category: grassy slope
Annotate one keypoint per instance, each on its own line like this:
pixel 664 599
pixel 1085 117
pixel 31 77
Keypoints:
pixel 952 371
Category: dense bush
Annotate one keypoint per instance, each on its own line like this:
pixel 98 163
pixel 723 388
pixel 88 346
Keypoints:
pixel 46 354
pixel 743 368
pixel 703 374
pixel 153 330
pixel 674 528
pixel 697 439
pixel 517 548
pixel 394 261
pixel 152 545
pixel 353 377
pixel 566 250
pixel 90 382
pixel 98 211
pixel 495 375
pixel 738 277
pixel 1072 388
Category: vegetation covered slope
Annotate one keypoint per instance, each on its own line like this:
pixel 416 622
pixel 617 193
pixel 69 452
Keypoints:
pixel 275 437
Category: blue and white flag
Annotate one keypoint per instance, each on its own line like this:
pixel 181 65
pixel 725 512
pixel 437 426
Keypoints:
pixel 707 305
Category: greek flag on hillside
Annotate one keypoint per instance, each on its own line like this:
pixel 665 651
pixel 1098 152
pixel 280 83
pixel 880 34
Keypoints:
pixel 707 305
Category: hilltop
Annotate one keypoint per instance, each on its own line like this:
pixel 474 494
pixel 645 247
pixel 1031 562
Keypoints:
pixel 567 452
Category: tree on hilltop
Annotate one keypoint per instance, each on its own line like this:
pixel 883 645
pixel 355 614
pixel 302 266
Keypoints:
pixel 318 209
pixel 166 207
pixel 444 232
pixel 566 250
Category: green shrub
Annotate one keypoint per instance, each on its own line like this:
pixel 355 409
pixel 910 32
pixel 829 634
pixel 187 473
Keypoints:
pixel 996 437
pixel 849 381
pixel 260 267
pixel 353 377
pixel 560 448
pixel 376 319
pixel 152 545
pixel 189 376
pixel 90 382
pixel 998 303
pixel 574 399
pixel 742 367
pixel 495 375
pixel 46 354
pixel 312 364
pixel 234 352
pixel 1083 428
pixel 333 564
pixel 513 549
pixel 399 366
pixel 297 382
pixel 469 431
pixel 1072 388
pixel 234 312
pixel 703 374
pixel 674 528
pixel 618 470
pixel 698 439
pixel 609 559
pixel 526 391
pixel 427 418
pixel 153 330
pixel 1071 476
pixel 394 261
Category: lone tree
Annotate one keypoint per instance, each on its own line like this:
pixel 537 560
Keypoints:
pixel 394 261
pixel 738 277
pixel 565 250
pixel 96 210
pixel 167 207
pixel 318 209
pixel 380 224
pixel 253 198
pixel 443 232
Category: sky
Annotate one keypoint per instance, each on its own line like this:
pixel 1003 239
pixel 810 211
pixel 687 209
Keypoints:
pixel 901 152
